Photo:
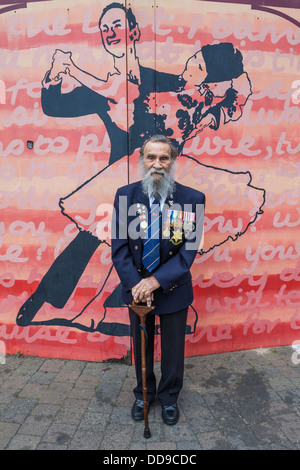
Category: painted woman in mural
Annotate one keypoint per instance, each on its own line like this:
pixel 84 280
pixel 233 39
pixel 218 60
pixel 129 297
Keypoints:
pixel 210 92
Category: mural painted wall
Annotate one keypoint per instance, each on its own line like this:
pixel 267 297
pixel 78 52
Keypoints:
pixel 82 85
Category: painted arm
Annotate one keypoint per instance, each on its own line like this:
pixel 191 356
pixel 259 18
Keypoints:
pixel 81 100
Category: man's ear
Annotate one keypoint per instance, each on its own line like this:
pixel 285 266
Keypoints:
pixel 135 34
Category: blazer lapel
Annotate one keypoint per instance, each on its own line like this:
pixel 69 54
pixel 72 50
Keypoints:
pixel 141 201
pixel 140 198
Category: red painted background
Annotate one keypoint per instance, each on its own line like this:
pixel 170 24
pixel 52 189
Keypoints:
pixel 246 280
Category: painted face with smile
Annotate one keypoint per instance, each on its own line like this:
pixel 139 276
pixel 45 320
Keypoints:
pixel 113 31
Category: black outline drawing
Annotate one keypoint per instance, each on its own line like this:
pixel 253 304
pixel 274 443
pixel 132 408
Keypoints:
pixel 66 270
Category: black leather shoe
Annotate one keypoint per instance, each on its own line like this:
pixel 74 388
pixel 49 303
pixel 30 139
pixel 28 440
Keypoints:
pixel 170 414
pixel 137 411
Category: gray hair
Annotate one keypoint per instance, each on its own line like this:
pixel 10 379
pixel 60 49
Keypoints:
pixel 163 139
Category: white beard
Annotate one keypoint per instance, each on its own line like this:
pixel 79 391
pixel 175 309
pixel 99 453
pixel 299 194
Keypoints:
pixel 161 187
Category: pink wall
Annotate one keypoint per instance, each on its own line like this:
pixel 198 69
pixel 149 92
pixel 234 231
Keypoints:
pixel 65 140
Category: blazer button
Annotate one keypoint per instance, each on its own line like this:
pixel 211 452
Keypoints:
pixel 136 247
pixel 170 253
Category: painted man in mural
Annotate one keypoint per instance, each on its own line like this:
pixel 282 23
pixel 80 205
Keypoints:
pixel 118 28
pixel 153 262
pixel 211 91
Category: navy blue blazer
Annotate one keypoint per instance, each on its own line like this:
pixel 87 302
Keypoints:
pixel 173 273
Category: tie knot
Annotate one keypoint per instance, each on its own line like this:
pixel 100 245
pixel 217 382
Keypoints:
pixel 156 202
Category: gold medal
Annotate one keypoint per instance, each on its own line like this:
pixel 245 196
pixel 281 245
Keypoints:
pixel 177 237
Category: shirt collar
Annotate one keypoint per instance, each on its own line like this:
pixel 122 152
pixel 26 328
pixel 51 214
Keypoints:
pixel 162 201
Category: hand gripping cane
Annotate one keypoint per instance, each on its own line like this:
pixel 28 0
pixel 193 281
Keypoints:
pixel 142 311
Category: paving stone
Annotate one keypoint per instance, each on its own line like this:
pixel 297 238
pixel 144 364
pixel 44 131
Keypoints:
pixel 190 398
pixel 163 446
pixel 41 377
pixel 289 424
pixel 68 376
pixel 117 436
pixel 239 400
pixel 33 390
pixel 242 438
pixel 290 397
pixel 71 411
pixel 60 434
pixel 27 365
pixel 86 440
pixel 93 421
pixel 7 395
pixel 214 440
pixel 280 383
pixel 87 381
pixel 140 445
pixel 7 431
pixel 56 393
pixel 73 365
pixel 221 405
pixel 180 432
pixel 18 410
pixel 81 393
pixel 121 414
pixel 189 445
pixel 15 383
pixel 51 446
pixel 23 442
pixel 269 433
pixel 252 410
pixel 52 365
pixel 200 419
pixel 34 426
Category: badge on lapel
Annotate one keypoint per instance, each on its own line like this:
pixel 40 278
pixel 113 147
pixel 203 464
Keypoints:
pixel 143 216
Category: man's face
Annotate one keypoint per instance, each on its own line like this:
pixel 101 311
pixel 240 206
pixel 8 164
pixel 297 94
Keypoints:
pixel 113 31
pixel 157 157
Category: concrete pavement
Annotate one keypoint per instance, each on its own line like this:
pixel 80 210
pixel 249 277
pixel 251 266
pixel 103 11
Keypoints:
pixel 239 400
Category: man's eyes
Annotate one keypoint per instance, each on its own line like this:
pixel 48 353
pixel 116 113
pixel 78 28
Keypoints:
pixel 161 159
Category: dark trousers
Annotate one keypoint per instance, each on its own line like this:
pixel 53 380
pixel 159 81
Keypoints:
pixel 172 330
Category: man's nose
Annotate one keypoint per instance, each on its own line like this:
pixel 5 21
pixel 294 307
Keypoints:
pixel 112 32
pixel 157 164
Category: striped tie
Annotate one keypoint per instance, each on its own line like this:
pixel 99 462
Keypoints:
pixel 151 257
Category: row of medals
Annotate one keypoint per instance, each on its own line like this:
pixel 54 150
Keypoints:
pixel 175 221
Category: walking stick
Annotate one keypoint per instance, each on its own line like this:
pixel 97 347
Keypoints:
pixel 142 311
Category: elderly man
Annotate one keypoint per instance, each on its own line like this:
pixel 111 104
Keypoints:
pixel 158 229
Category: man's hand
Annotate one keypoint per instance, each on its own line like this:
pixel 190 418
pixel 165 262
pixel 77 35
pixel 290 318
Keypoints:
pixel 143 291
